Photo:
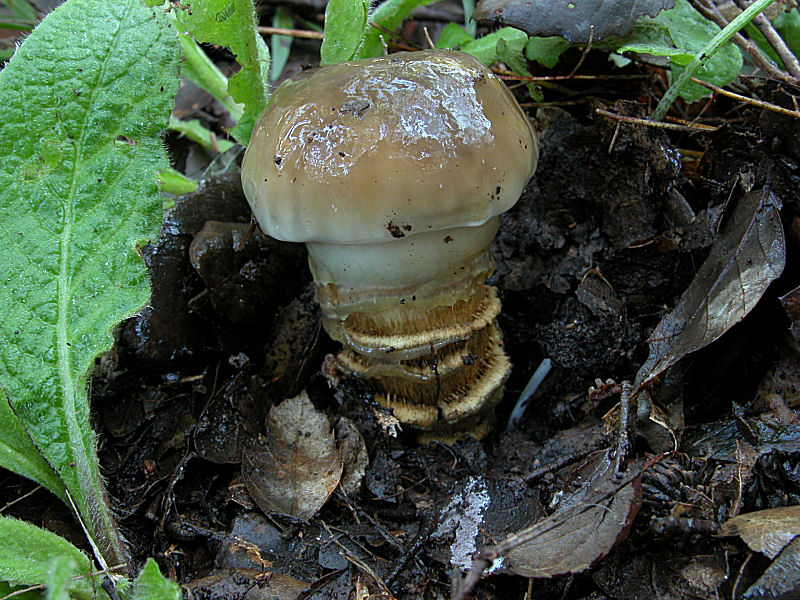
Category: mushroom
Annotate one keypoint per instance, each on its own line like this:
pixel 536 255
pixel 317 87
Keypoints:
pixel 394 172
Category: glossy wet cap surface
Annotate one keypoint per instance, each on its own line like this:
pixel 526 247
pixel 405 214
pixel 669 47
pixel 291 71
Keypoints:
pixel 376 149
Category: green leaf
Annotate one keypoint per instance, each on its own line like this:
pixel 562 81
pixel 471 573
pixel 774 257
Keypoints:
pixel 59 572
pixel 703 56
pixel 33 556
pixel 345 27
pixel 199 69
pixel 485 48
pixel 546 51
pixel 22 10
pixel 470 26
pixel 453 36
pixel 18 454
pixel 174 182
pixel 515 60
pixel 81 125
pixel 194 130
pixel 281 45
pixel 389 15
pixel 690 32
pixel 232 23
pixel 152 585
pixel 788 25
pixel 651 37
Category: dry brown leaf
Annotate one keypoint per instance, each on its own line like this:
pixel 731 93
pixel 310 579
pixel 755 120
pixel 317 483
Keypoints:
pixel 766 531
pixel 247 584
pixel 781 580
pixel 584 529
pixel 354 455
pixel 748 255
pixel 296 465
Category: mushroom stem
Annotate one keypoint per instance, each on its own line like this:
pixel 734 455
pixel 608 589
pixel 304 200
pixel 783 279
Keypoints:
pixel 422 330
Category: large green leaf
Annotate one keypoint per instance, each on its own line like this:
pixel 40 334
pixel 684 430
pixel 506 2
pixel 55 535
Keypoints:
pixel 232 23
pixel 32 556
pixel 84 100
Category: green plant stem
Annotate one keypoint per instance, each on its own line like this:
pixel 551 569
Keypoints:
pixel 700 58
pixel 470 26
pixel 199 69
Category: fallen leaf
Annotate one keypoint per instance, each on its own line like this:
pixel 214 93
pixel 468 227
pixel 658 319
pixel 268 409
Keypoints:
pixel 574 20
pixel 766 531
pixel 663 573
pixel 729 481
pixel 248 584
pixel 296 465
pixel 588 524
pixel 791 304
pixel 781 580
pixel 720 441
pixel 746 257
pixel 355 458
pixel 481 509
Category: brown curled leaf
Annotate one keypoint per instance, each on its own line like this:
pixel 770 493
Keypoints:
pixel 296 465
pixel 767 531
pixel 595 516
pixel 748 255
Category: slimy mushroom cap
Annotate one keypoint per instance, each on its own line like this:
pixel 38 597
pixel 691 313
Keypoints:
pixel 372 150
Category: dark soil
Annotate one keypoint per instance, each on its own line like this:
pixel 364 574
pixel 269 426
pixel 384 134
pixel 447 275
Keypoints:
pixel 606 238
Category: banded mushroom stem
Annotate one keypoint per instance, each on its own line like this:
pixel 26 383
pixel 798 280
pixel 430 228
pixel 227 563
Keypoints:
pixel 424 335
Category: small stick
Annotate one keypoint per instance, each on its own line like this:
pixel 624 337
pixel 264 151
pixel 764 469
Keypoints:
pixel 660 124
pixel 776 41
pixel 566 77
pixel 297 33
pixel 753 101
pixel 428 39
pixel 710 12
pixel 585 51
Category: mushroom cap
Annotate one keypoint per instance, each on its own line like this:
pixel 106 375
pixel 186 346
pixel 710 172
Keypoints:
pixel 372 150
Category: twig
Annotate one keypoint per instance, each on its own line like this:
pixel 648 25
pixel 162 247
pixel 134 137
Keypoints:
pixel 566 77
pixel 701 58
pixel 13 502
pixel 659 124
pixel 561 462
pixel 360 564
pixel 297 33
pixel 753 101
pixel 428 40
pixel 623 440
pixel 585 51
pixel 710 12
pixel 775 40
pixel 405 45
pixel 423 535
